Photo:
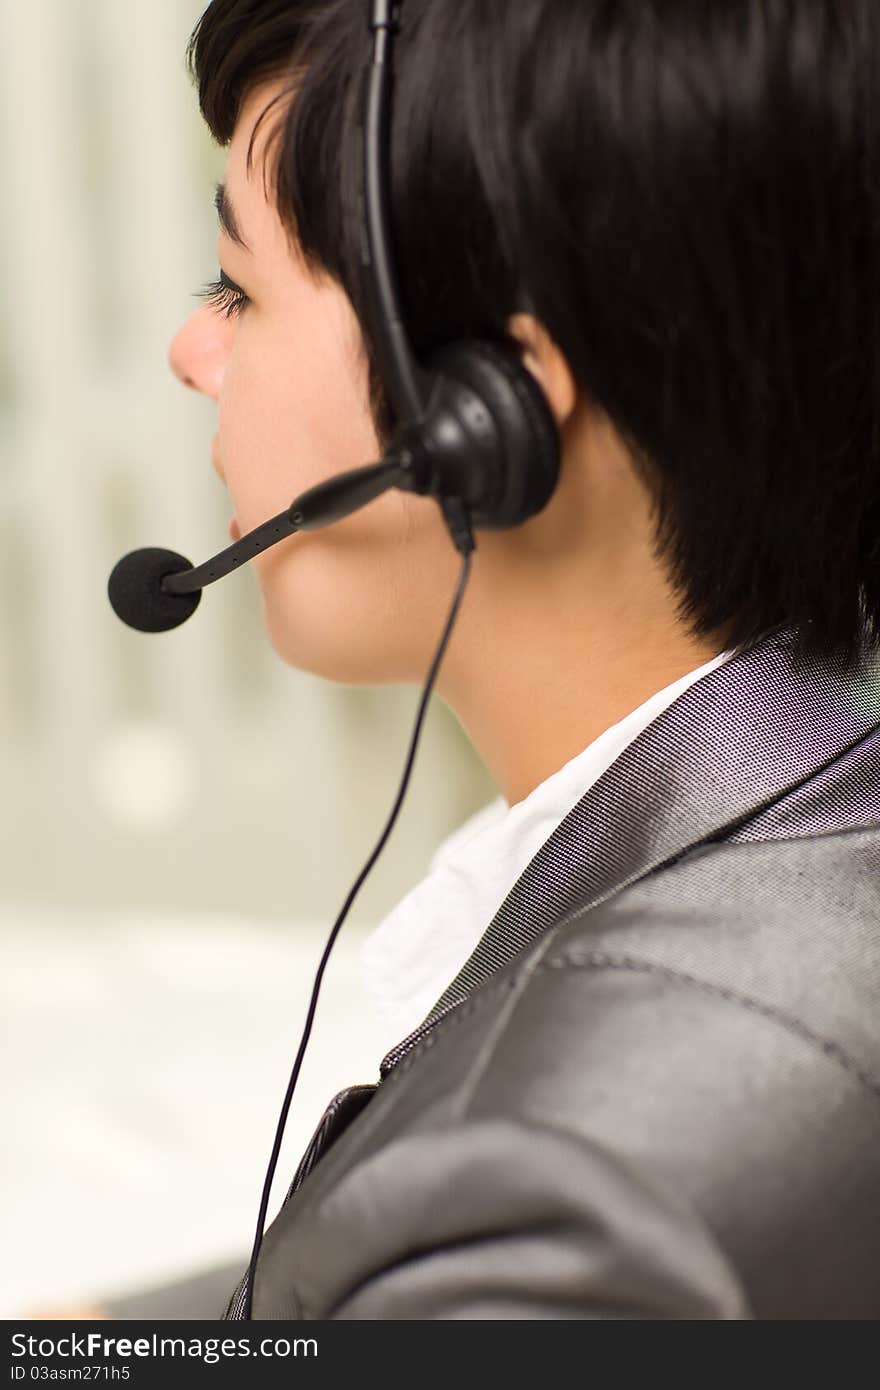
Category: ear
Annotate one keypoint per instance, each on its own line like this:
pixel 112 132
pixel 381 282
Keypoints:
pixel 546 363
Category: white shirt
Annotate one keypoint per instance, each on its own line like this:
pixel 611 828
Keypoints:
pixel 419 948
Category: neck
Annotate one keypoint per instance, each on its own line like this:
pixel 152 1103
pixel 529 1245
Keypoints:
pixel 569 622
pixel 545 705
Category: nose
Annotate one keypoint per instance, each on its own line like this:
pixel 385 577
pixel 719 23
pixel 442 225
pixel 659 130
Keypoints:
pixel 200 350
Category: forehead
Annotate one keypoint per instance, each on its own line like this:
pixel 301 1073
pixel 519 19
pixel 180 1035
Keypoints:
pixel 247 165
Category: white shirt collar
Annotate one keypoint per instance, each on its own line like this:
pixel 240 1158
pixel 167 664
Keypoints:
pixel 419 948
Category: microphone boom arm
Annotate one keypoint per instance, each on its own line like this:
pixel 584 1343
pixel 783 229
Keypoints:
pixel 191 580
pixel 318 506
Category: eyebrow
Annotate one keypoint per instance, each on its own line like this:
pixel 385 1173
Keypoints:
pixel 226 216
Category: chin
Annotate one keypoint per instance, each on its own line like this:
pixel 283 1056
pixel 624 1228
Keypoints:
pixel 326 649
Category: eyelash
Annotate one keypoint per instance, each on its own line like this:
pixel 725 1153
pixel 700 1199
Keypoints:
pixel 224 296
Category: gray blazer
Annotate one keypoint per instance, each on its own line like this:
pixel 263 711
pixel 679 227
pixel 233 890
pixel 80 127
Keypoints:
pixel 654 1089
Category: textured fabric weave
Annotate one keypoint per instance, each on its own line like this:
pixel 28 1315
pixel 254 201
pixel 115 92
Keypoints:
pixel 413 955
pixel 653 1089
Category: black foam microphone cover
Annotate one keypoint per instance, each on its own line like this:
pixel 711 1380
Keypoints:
pixel 135 591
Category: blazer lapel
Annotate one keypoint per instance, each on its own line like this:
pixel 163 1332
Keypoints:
pixel 736 741
pixel 343 1108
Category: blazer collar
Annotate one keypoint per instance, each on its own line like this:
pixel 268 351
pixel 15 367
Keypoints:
pixel 735 741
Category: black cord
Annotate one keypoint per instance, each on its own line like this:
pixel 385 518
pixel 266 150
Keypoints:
pixel 459 526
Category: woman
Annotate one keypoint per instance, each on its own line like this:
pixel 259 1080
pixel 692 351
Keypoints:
pixel 649 1082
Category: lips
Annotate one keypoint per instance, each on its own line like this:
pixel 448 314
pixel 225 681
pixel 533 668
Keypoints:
pixel 215 459
pixel 234 528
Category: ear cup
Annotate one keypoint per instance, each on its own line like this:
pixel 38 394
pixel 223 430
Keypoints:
pixel 501 446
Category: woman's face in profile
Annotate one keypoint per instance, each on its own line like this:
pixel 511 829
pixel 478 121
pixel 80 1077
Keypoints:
pixel 364 600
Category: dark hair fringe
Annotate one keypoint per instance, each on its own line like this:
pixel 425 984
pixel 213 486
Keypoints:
pixel 686 193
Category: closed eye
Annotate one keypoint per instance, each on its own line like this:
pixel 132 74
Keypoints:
pixel 224 296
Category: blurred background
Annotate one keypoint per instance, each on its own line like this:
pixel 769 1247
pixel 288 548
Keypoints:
pixel 182 815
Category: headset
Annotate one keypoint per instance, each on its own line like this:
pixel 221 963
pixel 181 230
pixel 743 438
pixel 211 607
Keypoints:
pixel 474 431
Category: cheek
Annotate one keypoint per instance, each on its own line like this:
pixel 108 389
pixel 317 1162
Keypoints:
pixel 364 600
pixel 292 413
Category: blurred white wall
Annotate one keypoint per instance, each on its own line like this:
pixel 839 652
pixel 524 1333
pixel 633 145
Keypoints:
pixel 187 782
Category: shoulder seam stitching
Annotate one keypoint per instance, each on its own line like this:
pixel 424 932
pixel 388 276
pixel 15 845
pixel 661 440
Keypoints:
pixel 600 960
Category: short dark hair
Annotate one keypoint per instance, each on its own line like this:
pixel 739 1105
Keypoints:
pixel 686 193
